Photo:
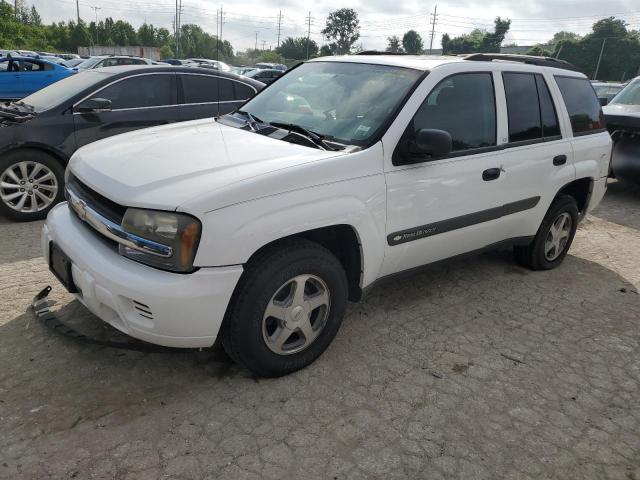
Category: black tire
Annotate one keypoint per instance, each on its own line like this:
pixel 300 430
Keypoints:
pixel 533 255
pixel 15 157
pixel 242 328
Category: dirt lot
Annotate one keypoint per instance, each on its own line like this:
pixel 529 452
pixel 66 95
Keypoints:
pixel 476 369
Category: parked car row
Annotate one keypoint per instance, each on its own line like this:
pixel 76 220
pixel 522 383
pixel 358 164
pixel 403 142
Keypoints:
pixel 21 76
pixel 39 134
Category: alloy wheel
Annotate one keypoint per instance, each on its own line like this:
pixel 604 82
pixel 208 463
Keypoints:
pixel 28 187
pixel 296 314
pixel 558 236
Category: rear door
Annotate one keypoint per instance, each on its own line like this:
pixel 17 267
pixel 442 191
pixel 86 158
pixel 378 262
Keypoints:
pixel 9 78
pixel 538 158
pixel 204 96
pixel 139 101
pixel 34 75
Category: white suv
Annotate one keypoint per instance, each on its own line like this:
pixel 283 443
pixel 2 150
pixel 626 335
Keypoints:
pixel 259 226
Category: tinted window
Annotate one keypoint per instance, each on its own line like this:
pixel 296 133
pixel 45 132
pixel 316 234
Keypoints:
pixel 522 106
pixel 550 125
pixel 140 91
pixel 243 91
pixel 463 105
pixel 205 89
pixel 582 104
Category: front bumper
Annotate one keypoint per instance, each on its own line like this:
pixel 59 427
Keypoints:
pixel 171 309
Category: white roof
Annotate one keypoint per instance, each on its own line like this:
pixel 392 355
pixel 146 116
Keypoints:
pixel 418 62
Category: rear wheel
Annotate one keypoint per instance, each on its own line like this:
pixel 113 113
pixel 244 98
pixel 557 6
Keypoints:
pixel 554 237
pixel 286 309
pixel 31 183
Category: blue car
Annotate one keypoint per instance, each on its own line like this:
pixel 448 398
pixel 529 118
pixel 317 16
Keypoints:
pixel 21 76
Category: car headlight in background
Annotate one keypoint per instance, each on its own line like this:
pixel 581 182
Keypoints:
pixel 178 231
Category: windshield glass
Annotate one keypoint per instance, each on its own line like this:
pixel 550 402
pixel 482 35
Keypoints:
pixel 346 102
pixel 89 63
pixel 62 90
pixel 630 95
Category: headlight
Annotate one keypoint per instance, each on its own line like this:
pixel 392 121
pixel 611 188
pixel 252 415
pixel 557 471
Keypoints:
pixel 171 238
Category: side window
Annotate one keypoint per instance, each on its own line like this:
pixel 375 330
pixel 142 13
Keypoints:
pixel 463 105
pixel 29 66
pixel 243 92
pixel 531 112
pixel 550 125
pixel 206 89
pixel 523 108
pixel 582 104
pixel 5 66
pixel 140 91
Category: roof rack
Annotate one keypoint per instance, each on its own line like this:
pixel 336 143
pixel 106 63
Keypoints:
pixel 528 59
pixel 378 52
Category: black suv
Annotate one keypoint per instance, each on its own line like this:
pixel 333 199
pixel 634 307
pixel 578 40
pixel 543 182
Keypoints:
pixel 39 134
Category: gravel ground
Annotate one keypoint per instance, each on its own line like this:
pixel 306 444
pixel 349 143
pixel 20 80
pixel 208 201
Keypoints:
pixel 475 369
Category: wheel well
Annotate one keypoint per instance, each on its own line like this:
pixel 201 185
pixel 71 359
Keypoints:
pixel 61 158
pixel 342 241
pixel 580 190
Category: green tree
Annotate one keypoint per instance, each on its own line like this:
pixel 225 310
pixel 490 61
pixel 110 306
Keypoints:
pixel 296 48
pixel 343 29
pixel 478 40
pixel 393 44
pixel 412 42
pixel 538 50
pixel 166 52
pixel 326 51
pixel 34 17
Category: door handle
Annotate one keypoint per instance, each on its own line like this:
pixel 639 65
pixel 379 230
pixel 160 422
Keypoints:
pixel 559 160
pixel 491 174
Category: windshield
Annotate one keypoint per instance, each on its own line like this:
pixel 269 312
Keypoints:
pixel 630 95
pixel 607 90
pixel 346 102
pixel 88 63
pixel 62 90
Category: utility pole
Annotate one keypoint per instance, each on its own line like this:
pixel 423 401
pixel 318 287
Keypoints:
pixel 595 75
pixel 433 27
pixel 263 42
pixel 279 24
pixel 308 33
pixel 77 9
pixel 221 23
pixel 95 9
pixel 255 47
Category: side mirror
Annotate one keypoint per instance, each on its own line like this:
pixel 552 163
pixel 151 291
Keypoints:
pixel 603 101
pixel 94 105
pixel 432 142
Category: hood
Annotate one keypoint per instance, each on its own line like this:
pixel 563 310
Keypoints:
pixel 621 109
pixel 166 166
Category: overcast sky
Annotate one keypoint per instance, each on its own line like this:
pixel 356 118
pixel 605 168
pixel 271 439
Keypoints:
pixel 532 22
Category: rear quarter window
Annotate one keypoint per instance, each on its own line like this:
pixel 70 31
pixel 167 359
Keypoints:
pixel 582 104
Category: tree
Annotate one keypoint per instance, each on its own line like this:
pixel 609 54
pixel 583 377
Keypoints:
pixel 394 45
pixel 478 40
pixel 34 17
pixel 166 52
pixel 325 51
pixel 412 42
pixel 343 28
pixel 538 50
pixel 296 48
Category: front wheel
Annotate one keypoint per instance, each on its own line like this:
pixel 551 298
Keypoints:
pixel 31 183
pixel 554 237
pixel 286 309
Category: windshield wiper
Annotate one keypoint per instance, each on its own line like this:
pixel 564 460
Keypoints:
pixel 251 120
pixel 316 138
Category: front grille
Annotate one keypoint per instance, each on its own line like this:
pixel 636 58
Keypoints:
pixel 109 209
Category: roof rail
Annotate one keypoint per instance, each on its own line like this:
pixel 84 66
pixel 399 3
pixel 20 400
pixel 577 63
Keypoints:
pixel 378 52
pixel 528 59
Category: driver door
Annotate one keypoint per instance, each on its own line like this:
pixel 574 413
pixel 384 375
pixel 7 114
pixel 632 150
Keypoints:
pixel 442 207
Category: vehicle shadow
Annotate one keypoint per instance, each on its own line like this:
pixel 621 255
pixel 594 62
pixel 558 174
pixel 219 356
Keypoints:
pixel 620 205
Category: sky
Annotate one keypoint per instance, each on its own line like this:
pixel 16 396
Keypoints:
pixel 534 21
